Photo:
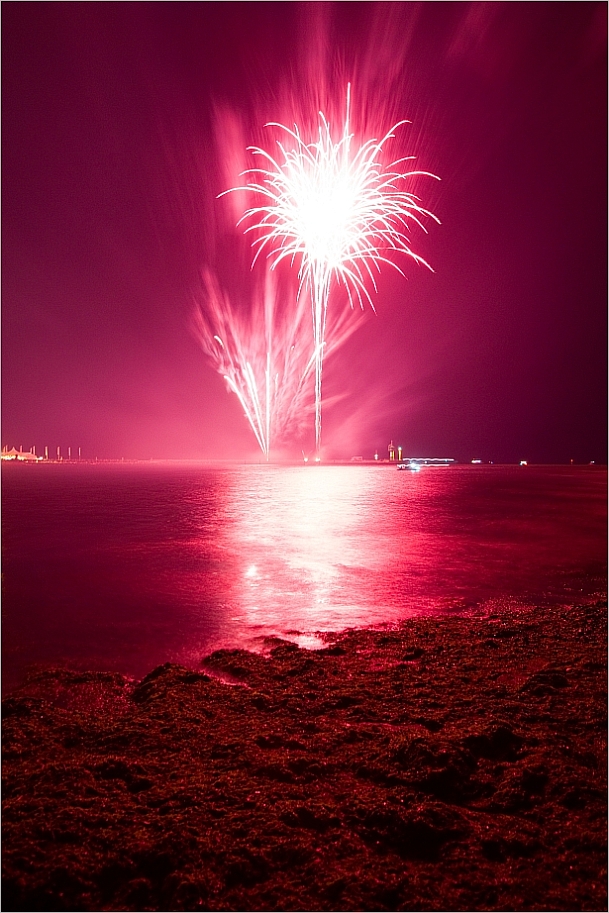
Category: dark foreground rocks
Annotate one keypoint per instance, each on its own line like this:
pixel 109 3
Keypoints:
pixel 453 763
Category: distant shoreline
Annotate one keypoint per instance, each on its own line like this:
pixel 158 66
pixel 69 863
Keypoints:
pixel 292 463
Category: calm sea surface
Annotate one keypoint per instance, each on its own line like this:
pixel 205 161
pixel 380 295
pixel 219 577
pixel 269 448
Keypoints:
pixel 126 566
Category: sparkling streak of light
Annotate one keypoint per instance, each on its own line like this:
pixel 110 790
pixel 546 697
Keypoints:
pixel 264 354
pixel 336 208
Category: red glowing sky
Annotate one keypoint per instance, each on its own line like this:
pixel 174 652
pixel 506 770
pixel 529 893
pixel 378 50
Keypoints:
pixel 110 173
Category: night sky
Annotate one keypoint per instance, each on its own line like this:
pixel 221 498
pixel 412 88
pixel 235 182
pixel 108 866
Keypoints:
pixel 110 175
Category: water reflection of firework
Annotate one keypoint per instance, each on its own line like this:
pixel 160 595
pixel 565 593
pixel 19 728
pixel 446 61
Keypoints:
pixel 339 210
pixel 265 355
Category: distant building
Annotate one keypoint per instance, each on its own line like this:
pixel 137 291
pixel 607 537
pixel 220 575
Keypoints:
pixel 23 456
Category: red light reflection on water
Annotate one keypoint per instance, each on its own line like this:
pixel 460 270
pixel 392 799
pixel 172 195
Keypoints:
pixel 125 568
pixel 325 547
pixel 300 534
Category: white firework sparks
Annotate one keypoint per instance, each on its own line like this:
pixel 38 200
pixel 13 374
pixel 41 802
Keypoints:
pixel 263 352
pixel 338 210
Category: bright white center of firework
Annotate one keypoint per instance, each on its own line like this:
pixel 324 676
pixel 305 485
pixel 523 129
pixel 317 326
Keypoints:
pixel 326 214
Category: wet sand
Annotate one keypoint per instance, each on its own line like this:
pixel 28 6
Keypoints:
pixel 450 763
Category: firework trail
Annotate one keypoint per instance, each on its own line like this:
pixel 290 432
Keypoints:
pixel 264 354
pixel 336 208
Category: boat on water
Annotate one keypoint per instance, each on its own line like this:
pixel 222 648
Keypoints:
pixel 410 464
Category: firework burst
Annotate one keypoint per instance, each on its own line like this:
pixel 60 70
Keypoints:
pixel 335 208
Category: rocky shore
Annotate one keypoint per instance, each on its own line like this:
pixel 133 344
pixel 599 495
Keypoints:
pixel 451 763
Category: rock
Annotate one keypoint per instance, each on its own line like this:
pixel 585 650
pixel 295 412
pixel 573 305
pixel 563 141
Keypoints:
pixel 497 742
pixel 311 785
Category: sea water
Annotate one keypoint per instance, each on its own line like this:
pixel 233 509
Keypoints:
pixel 125 566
